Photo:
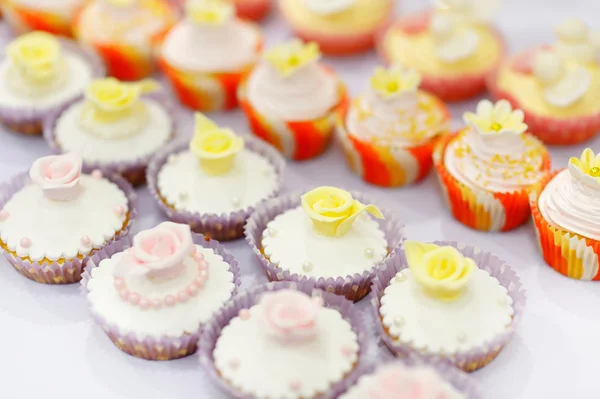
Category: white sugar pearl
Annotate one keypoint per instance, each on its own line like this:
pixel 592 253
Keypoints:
pixel 369 253
pixel 307 266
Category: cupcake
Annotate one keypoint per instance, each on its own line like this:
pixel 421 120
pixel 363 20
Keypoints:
pixel 54 218
pixel 214 182
pixel 284 340
pixel 327 237
pixel 152 294
pixel 453 47
pixel 486 170
pixel 39 74
pixel 52 16
pixel 556 86
pixel 123 32
pixel 252 9
pixel 389 132
pixel 206 55
pixel 292 101
pixel 470 295
pixel 566 215
pixel 340 27
pixel 115 126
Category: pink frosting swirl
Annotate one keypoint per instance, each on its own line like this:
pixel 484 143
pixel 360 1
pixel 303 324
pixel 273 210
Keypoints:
pixel 57 175
pixel 289 315
pixel 397 381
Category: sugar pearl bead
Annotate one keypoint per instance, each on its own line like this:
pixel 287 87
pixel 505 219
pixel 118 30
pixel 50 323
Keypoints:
pixel 307 266
pixel 369 253
pixel 170 300
pixel 235 201
pixel 119 283
pixel 144 303
pixel 85 240
pixel 134 298
pixel 202 273
pixel 244 314
pixel 192 290
pixel 97 174
pixel 182 296
pixel 157 303
pixel 399 321
pixel 124 294
pixel 202 265
pixel 271 232
pixel 25 242
pixel 234 363
pixel 119 210
pixel 295 385
pixel 347 350
pixel 3 214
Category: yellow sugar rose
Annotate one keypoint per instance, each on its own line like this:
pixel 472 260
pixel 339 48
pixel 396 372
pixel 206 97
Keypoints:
pixel 112 99
pixel 395 81
pixel 289 57
pixel 442 271
pixel 496 118
pixel 214 146
pixel 209 12
pixel 37 56
pixel 333 210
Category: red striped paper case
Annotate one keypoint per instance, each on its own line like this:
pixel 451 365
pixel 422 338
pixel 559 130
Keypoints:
pixel 253 10
pixel 480 209
pixel 570 254
pixel 25 19
pixel 298 140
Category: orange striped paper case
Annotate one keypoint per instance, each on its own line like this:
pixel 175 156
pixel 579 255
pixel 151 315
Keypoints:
pixel 298 140
pixel 23 19
pixel 480 209
pixel 568 253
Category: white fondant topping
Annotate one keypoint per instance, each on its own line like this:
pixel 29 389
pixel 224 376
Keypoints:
pixel 79 74
pixel 266 368
pixel 453 43
pixel 93 148
pixel 186 186
pixel 575 41
pixel 211 48
pixel 328 7
pixel 573 86
pixel 55 228
pixel 307 94
pixel 483 311
pixel 174 321
pixel 296 241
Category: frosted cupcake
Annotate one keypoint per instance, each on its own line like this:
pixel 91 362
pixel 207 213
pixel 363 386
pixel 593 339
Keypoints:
pixel 115 127
pixel 487 169
pixel 292 101
pixel 389 132
pixel 339 26
pixel 256 345
pixel 52 16
pixel 39 74
pixel 54 218
pixel 471 296
pixel 152 299
pixel 124 32
pixel 206 55
pixel 326 236
pixel 252 9
pixel 556 86
pixel 453 47
pixel 566 216
pixel 215 182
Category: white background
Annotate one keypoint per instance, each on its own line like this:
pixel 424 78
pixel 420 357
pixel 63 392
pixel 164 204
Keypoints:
pixel 50 348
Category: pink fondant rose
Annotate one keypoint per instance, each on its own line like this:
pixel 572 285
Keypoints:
pixel 158 253
pixel 398 381
pixel 289 315
pixel 57 175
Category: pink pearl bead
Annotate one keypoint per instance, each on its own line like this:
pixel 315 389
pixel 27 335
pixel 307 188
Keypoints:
pixel 202 265
pixel 25 242
pixel 193 251
pixel 244 314
pixel 182 296
pixel 192 290
pixel 119 210
pixel 97 174
pixel 134 298
pixel 347 351
pixel 3 214
pixel 295 385
pixel 124 293
pixel 157 303
pixel 199 256
pixel 200 281
pixel 85 240
pixel 170 300
pixel 119 283
pixel 203 273
pixel 144 304
pixel 234 363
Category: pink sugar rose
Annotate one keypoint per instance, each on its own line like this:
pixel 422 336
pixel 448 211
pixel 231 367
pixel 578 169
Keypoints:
pixel 398 381
pixel 57 175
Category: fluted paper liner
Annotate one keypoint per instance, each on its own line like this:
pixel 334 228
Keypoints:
pixel 249 298
pixel 253 10
pixel 472 359
pixel 152 347
pixel 30 120
pixel 225 226
pixel 70 271
pixel 568 253
pixel 353 287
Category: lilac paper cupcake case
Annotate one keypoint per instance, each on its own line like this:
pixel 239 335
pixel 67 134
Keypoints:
pixel 12 116
pixel 225 226
pixel 353 287
pixel 247 299
pixel 133 171
pixel 71 270
pixel 466 360
pixel 152 347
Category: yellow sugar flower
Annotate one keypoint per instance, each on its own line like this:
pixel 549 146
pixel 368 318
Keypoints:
pixel 209 12
pixel 37 56
pixel 498 118
pixel 586 168
pixel 112 99
pixel 214 146
pixel 395 81
pixel 287 58
pixel 441 270
pixel 333 210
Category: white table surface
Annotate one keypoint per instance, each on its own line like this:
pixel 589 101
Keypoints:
pixel 50 348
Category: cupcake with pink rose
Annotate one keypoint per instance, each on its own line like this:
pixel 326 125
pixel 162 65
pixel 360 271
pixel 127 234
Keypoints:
pixel 54 218
pixel 152 294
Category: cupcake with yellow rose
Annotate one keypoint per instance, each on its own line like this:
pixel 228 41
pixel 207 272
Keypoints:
pixel 215 181
pixel 487 170
pixel 556 86
pixel 39 74
pixel 52 16
pixel 116 127
pixel 566 216
pixel 124 33
pixel 389 132
pixel 454 47
pixel 447 300
pixel 206 55
pixel 329 237
pixel 340 27
pixel 292 101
